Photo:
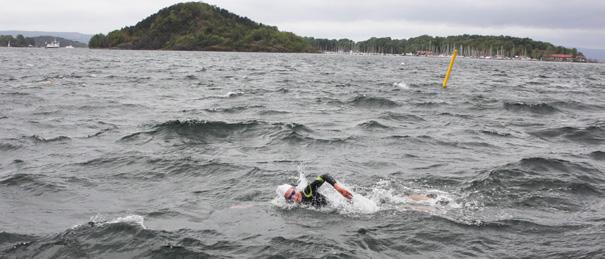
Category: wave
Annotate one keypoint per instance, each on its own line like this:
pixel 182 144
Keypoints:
pixel 495 133
pixel 372 102
pixel 597 155
pixel 401 85
pixel 185 167
pixel 216 128
pixel 15 93
pixel 8 147
pixel 101 132
pixel 429 104
pixel 582 106
pixel 537 179
pixel 227 95
pixel 428 140
pixel 272 112
pixel 300 134
pixel 330 101
pixel 32 183
pixel 191 77
pixel 232 94
pixel 259 133
pixel 594 134
pixel 282 90
pixel 372 124
pixel 13 238
pixel 464 116
pixel 198 130
pixel 11 241
pixel 538 108
pixel 156 168
pixel 297 138
pixel 400 117
pixel 122 237
pixel 537 83
pixel 39 139
pixel 526 226
pixel 234 109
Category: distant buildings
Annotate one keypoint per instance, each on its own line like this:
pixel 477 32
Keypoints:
pixel 565 58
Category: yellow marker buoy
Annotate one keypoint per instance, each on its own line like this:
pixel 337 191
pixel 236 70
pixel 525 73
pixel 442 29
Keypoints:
pixel 449 69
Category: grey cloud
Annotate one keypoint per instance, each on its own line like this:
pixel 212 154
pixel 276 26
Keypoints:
pixel 547 14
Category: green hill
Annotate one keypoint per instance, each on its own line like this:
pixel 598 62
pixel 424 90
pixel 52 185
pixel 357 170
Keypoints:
pixel 199 26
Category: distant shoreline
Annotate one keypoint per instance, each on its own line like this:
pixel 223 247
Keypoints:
pixel 325 53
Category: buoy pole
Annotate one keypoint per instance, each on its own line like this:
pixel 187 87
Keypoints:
pixel 449 68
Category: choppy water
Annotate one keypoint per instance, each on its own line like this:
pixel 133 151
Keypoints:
pixel 120 154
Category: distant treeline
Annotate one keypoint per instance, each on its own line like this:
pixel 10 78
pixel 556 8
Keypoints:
pixel 18 41
pixel 467 45
pixel 38 41
pixel 199 26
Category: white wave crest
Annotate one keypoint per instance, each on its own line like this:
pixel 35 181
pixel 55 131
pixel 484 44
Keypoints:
pixel 100 220
pixel 401 84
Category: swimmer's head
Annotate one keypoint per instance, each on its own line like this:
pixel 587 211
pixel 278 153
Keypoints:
pixel 289 193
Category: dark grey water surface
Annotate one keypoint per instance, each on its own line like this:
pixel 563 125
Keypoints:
pixel 119 154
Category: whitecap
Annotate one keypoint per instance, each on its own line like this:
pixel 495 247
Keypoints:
pixel 401 84
pixel 132 219
pixel 232 94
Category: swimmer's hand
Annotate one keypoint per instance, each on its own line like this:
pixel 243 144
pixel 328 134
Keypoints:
pixel 344 192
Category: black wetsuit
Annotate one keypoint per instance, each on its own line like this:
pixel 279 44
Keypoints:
pixel 310 195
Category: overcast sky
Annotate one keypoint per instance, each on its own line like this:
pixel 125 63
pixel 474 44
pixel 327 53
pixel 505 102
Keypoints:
pixel 579 23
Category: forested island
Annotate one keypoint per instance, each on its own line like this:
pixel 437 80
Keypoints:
pixel 200 26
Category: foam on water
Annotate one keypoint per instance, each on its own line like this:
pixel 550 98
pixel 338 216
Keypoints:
pixel 401 84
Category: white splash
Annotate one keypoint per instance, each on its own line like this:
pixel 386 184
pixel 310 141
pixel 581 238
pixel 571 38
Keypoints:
pixel 358 205
pixel 133 219
pixel 302 180
pixel 401 84
pixel 232 94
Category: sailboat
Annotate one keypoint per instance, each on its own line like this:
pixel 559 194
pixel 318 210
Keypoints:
pixel 53 45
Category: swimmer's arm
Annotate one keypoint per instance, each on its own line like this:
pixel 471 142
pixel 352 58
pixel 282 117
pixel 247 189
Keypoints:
pixel 341 189
pixel 327 178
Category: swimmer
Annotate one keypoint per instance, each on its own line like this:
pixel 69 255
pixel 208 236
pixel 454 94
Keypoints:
pixel 309 195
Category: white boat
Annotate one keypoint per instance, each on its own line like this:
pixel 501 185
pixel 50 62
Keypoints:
pixel 53 45
pixel 9 44
pixel 69 47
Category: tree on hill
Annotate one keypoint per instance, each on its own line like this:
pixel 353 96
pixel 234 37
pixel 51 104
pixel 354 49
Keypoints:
pixel 18 41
